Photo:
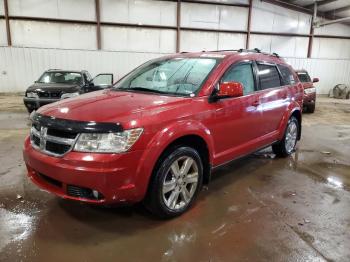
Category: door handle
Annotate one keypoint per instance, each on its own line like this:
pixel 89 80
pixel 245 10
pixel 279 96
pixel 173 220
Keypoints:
pixel 256 103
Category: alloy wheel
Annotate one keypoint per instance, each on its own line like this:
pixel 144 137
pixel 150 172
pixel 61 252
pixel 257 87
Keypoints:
pixel 180 183
pixel 291 136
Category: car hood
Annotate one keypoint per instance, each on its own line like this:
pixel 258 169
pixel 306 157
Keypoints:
pixel 112 106
pixel 307 85
pixel 53 87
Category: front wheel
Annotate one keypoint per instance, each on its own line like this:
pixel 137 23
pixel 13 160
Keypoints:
pixel 311 108
pixel 286 146
pixel 176 182
pixel 30 110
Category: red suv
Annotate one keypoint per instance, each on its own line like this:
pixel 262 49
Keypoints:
pixel 157 134
pixel 309 102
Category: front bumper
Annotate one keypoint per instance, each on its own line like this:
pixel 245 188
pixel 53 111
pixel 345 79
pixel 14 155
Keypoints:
pixel 35 103
pixel 309 99
pixel 75 175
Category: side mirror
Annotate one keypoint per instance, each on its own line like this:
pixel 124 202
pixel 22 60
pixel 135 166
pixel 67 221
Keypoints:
pixel 230 89
pixel 315 80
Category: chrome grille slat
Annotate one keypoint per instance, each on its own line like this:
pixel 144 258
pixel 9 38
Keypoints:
pixel 60 140
pixel 50 145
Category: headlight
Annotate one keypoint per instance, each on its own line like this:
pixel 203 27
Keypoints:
pixel 310 90
pixel 69 95
pixel 32 95
pixel 108 142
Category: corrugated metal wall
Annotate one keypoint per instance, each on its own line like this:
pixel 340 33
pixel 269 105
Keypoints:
pixel 42 45
pixel 20 67
pixel 330 71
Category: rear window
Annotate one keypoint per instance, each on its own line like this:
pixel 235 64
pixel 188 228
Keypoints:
pixel 287 75
pixel 268 76
pixel 304 77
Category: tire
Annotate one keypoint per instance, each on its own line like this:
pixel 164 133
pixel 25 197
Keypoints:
pixel 286 146
pixel 30 110
pixel 311 108
pixel 165 178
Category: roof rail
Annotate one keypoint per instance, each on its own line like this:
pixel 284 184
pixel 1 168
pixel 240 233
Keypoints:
pixel 53 69
pixel 257 50
pixel 241 50
pixel 223 50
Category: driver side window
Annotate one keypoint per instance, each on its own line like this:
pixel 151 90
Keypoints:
pixel 242 73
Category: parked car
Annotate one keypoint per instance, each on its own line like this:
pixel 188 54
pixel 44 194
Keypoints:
pixel 309 90
pixel 54 85
pixel 157 134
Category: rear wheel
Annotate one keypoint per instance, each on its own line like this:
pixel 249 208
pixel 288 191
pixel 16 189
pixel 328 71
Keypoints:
pixel 286 146
pixel 176 182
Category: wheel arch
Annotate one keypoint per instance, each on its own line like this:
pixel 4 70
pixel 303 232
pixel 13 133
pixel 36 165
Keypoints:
pixel 297 114
pixel 294 110
pixel 196 142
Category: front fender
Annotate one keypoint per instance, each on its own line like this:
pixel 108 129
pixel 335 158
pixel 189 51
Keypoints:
pixel 170 133
pixel 160 141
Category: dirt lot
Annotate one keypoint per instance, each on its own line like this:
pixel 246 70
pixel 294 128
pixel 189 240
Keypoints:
pixel 257 209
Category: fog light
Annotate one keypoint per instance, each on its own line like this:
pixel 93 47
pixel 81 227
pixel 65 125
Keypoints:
pixel 95 193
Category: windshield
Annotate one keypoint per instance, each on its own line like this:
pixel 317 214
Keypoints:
pixel 61 77
pixel 304 77
pixel 177 76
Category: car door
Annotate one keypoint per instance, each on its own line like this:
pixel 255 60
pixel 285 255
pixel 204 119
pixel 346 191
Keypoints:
pixel 274 95
pixel 99 82
pixel 237 120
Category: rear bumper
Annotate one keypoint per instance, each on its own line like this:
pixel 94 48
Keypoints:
pixel 116 177
pixel 35 103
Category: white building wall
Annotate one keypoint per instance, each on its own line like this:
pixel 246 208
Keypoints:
pixel 333 29
pixel 1 7
pixel 137 12
pixel 138 40
pixel 271 18
pixel 38 46
pixel 63 9
pixel 52 35
pixel 214 16
pixel 20 67
pixel 3 39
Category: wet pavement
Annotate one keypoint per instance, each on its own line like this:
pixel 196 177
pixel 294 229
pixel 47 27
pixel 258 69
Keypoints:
pixel 257 209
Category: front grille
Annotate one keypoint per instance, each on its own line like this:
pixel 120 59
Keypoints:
pixel 36 140
pixel 49 94
pixel 51 141
pixel 57 148
pixel 82 192
pixel 61 133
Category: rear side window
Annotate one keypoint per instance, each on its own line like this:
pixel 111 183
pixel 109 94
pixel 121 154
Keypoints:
pixel 268 76
pixel 287 75
pixel 242 73
pixel 304 77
